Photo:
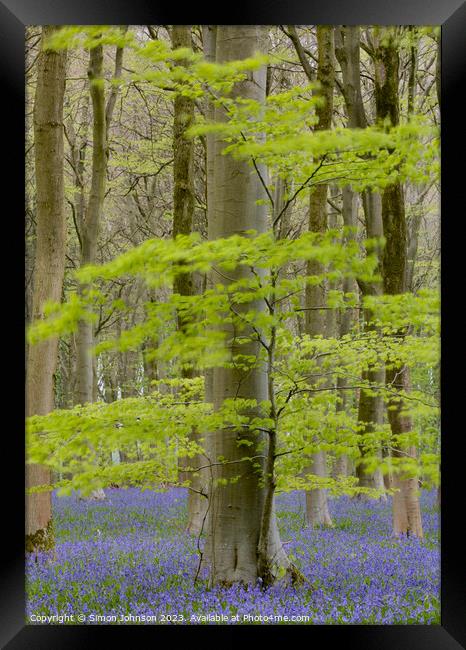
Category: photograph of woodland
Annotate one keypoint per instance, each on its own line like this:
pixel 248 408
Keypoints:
pixel 232 324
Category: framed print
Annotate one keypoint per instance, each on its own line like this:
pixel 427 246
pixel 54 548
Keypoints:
pixel 241 323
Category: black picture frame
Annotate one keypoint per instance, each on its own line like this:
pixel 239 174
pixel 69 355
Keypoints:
pixel 451 15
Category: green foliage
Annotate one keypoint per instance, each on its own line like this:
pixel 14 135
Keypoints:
pixel 61 319
pixel 245 317
pixel 90 36
pixel 242 306
pixel 279 132
pixel 258 260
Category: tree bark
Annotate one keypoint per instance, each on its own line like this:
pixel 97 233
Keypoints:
pixel 302 56
pixel 406 508
pixel 92 218
pixel 184 284
pixel 316 499
pixel 370 417
pixel 347 319
pixel 49 268
pixel 347 52
pixel 370 407
pixel 90 226
pixel 407 519
pixel 236 508
pixel 209 38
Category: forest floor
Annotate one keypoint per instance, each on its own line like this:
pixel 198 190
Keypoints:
pixel 129 556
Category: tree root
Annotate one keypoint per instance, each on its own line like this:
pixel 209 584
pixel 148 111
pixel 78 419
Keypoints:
pixel 297 577
pixel 42 540
pixel 269 575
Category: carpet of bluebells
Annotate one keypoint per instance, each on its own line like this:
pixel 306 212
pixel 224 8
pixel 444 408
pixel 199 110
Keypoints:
pixel 130 554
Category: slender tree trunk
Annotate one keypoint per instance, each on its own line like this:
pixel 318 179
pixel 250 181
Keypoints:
pixel 92 218
pixel 406 507
pixel 332 324
pixel 89 230
pixel 407 518
pixel 78 149
pixel 209 37
pixel 414 224
pixel 153 369
pixel 370 417
pixel 348 319
pixel 413 228
pixel 347 52
pixel 183 213
pixel 90 226
pixel 302 56
pixel 236 509
pixel 49 268
pixel 370 408
pixel 316 500
pixel 388 477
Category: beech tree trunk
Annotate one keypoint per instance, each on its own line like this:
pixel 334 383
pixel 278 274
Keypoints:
pixel 90 225
pixel 184 284
pixel 316 500
pixel 236 508
pixel 49 268
pixel 347 320
pixel 407 519
pixel 406 508
pixel 370 417
pixel 209 38
pixel 347 52
pixel 89 228
pixel 370 407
